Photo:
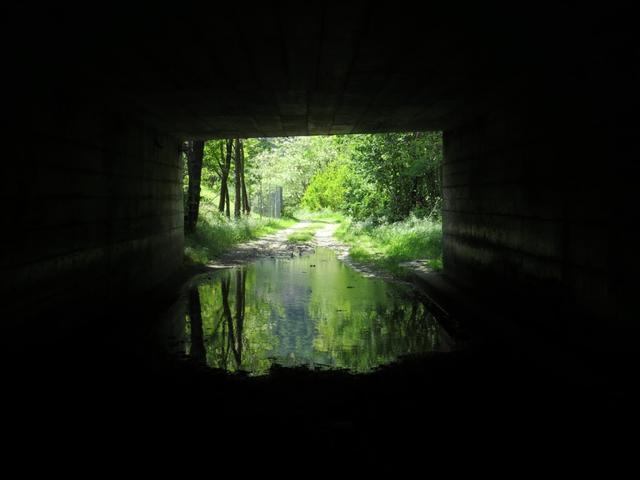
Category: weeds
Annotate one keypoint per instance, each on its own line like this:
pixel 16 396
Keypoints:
pixel 387 245
pixel 305 234
pixel 324 216
pixel 215 234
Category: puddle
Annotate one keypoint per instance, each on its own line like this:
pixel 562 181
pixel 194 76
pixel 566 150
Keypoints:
pixel 310 310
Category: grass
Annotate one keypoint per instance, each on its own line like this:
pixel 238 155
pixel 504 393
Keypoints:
pixel 324 216
pixel 387 245
pixel 384 245
pixel 215 234
pixel 305 234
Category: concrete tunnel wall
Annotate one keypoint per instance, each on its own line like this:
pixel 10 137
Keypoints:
pixel 95 208
pixel 97 203
pixel 539 182
pixel 536 210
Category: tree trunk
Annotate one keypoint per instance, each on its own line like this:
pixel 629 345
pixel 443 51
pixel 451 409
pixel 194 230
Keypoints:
pixel 223 195
pixel 223 179
pixel 237 200
pixel 225 167
pixel 194 165
pixel 240 285
pixel 245 198
pixel 225 284
pixel 228 207
pixel 198 351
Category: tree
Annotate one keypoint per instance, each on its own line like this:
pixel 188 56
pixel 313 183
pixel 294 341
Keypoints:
pixel 245 198
pixel 395 174
pixel 240 311
pixel 237 200
pixel 326 189
pixel 224 166
pixel 194 166
pixel 291 163
pixel 198 351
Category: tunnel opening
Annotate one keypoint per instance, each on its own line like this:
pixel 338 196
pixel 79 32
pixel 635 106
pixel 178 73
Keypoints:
pixel 539 250
pixel 372 180
pixel 317 227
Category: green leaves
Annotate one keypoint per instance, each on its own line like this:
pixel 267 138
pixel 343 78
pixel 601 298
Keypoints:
pixel 403 168
pixel 377 176
pixel 381 176
pixel 327 189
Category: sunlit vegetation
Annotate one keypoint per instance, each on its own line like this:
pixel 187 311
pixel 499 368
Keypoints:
pixel 383 190
pixel 322 216
pixel 305 234
pixel 389 187
pixel 386 187
pixel 387 245
pixel 382 177
pixel 217 234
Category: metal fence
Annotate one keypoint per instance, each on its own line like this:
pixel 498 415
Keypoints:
pixel 268 202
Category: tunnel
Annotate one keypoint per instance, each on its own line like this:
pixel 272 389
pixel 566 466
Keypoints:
pixel 539 112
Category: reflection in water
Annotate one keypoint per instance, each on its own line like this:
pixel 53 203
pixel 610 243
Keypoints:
pixel 310 310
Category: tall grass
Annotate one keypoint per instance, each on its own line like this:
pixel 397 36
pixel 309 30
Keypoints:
pixel 389 244
pixel 215 234
pixel 324 216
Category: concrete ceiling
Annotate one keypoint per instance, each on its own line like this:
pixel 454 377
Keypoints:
pixel 277 69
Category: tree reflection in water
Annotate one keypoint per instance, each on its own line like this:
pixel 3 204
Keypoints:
pixel 287 312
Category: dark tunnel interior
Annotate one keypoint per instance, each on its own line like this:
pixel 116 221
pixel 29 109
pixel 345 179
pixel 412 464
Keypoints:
pixel 538 107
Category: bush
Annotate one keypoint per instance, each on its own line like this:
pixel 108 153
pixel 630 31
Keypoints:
pixel 326 190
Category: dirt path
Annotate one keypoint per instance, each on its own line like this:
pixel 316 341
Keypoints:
pixel 272 245
pixel 325 238
pixel 276 246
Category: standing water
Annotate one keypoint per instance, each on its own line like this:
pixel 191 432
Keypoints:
pixel 308 310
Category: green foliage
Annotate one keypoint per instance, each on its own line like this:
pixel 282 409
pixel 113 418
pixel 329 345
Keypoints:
pixel 383 177
pixel 394 175
pixel 292 163
pixel 324 215
pixel 305 234
pixel 216 234
pixel 374 179
pixel 327 188
pixel 214 152
pixel 389 244
pixel 363 199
